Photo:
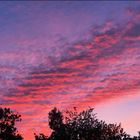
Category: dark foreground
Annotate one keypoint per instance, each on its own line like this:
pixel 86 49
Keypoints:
pixel 74 126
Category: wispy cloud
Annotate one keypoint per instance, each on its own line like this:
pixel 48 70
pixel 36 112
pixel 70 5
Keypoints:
pixel 40 74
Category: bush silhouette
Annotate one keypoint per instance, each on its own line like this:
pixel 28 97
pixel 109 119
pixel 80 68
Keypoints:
pixel 8 131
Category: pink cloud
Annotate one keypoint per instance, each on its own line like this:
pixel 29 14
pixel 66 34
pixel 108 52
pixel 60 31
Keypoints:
pixel 84 73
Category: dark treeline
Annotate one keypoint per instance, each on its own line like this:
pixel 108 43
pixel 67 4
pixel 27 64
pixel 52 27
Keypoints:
pixel 74 126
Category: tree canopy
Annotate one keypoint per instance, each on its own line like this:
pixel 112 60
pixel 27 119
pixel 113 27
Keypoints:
pixel 70 125
pixel 83 126
pixel 8 131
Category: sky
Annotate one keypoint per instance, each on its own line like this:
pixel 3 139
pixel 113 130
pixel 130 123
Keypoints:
pixel 70 53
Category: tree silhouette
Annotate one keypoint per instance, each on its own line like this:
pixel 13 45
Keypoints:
pixel 55 119
pixel 82 126
pixel 85 126
pixel 57 125
pixel 74 126
pixel 40 137
pixel 8 131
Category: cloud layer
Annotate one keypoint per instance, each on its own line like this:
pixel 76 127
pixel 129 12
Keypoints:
pixel 40 73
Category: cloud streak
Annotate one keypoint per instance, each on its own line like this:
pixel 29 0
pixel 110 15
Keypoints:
pixel 102 66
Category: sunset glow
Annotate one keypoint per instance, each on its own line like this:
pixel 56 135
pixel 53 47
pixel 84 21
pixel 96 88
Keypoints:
pixel 66 54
